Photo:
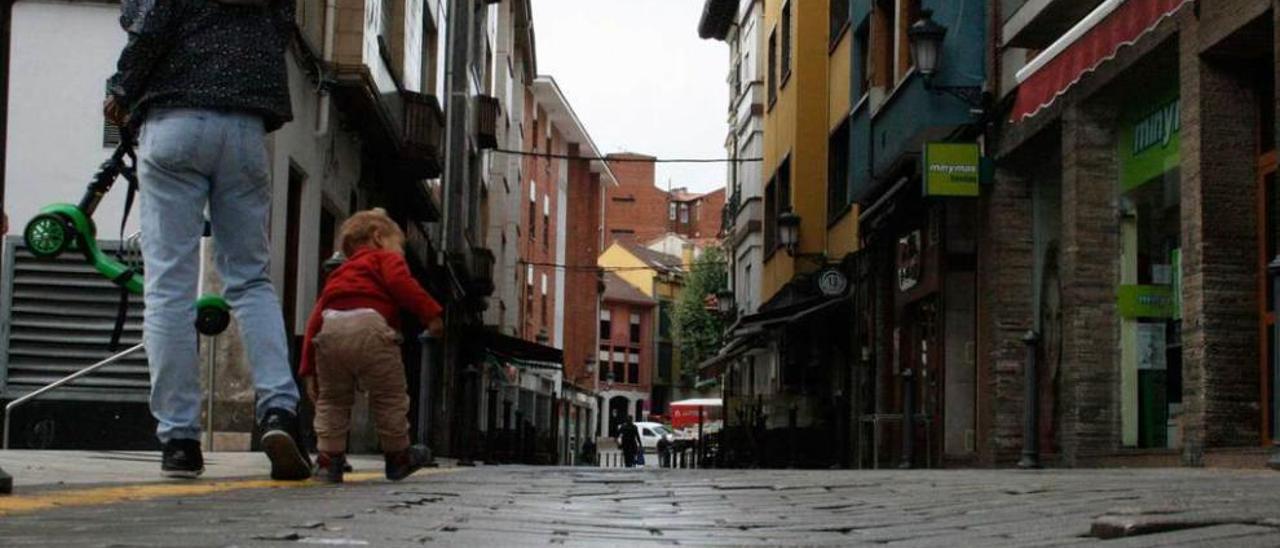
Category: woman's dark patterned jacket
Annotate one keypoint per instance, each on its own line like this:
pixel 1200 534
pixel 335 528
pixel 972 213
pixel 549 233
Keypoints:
pixel 205 54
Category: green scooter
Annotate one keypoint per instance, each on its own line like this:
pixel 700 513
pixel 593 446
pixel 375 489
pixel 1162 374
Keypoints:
pixel 59 228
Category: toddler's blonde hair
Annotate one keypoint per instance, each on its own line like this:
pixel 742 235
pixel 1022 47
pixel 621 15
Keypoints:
pixel 370 228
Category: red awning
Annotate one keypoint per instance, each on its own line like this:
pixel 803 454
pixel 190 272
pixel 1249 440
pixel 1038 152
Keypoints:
pixel 1094 41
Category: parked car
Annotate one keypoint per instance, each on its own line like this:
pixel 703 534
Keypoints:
pixel 650 433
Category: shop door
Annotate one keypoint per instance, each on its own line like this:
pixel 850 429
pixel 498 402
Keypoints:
pixel 1269 248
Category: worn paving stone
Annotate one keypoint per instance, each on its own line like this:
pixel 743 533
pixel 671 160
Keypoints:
pixel 526 506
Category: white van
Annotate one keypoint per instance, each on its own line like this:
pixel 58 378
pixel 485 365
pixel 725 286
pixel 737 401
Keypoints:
pixel 650 433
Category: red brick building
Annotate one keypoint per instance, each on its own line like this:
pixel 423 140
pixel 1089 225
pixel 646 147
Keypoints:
pixel 561 232
pixel 626 352
pixel 695 216
pixel 640 212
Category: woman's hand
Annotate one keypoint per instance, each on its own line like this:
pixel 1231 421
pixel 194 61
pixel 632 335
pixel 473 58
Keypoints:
pixel 436 327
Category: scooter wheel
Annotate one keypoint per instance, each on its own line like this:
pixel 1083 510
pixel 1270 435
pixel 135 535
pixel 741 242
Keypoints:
pixel 48 235
pixel 212 319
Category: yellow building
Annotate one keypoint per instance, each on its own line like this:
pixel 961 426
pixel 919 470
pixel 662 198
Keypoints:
pixel 807 84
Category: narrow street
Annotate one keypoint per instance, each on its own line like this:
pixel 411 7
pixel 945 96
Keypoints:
pixel 518 506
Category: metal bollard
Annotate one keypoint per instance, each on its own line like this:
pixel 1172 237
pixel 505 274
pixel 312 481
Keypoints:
pixel 908 420
pixel 1031 415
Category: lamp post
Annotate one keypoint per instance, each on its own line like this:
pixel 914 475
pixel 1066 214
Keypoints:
pixel 926 37
pixel 1274 270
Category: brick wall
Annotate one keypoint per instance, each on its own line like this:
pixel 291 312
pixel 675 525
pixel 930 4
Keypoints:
pixel 540 229
pixel 635 208
pixel 1006 262
pixel 1220 253
pixel 619 340
pixel 1090 393
pixel 582 296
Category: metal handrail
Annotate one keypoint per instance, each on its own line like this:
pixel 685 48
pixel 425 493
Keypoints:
pixel 8 409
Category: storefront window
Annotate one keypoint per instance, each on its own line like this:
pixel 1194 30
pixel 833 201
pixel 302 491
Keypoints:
pixel 1150 272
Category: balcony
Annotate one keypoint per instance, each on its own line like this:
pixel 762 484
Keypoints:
pixel 401 127
pixel 481 268
pixel 1035 24
pixel 488 110
pixel 422 143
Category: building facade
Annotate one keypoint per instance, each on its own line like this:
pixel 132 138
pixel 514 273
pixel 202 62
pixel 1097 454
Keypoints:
pixel 627 353
pixel 1138 187
pixel 740 24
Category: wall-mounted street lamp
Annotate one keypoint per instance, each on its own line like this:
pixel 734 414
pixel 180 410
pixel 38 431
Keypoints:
pixel 926 37
pixel 789 237
pixel 789 231
pixel 724 302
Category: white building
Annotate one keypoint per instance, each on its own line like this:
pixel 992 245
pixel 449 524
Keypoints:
pixel 740 24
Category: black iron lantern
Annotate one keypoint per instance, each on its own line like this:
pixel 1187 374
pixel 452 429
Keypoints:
pixel 926 38
pixel 789 230
pixel 724 302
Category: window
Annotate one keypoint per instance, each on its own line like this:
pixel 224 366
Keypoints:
pixel 784 186
pixel 786 42
pixel 771 215
pixel 838 172
pixel 735 82
pixel 606 325
pixel 605 364
pixel 862 60
pixel 546 221
pixel 777 199
pixel 773 68
pixel 533 211
pixel 619 368
pixel 633 368
pixel 881 43
pixel 635 328
pixel 648 433
pixel 672 213
pixel 839 19
pixel 684 214
pixel 664 320
pixel 908 13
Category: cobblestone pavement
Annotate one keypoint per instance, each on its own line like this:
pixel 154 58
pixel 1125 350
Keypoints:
pixel 517 506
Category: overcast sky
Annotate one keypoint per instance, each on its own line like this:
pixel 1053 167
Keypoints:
pixel 641 80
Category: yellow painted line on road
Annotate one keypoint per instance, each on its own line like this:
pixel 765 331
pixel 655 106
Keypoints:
pixel 103 496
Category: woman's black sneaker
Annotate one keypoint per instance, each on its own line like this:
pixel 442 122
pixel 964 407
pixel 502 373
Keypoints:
pixel 403 464
pixel 279 440
pixel 181 459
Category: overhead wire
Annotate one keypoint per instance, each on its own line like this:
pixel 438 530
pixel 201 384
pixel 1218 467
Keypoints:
pixel 625 159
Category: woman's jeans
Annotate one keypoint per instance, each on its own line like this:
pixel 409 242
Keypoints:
pixel 190 159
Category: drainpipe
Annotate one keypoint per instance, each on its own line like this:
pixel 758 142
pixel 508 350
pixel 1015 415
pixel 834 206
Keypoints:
pixel 330 32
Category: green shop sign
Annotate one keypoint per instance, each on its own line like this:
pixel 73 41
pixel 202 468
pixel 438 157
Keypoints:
pixel 952 169
pixel 1146 301
pixel 1149 141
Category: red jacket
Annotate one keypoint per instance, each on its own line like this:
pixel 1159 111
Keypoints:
pixel 372 278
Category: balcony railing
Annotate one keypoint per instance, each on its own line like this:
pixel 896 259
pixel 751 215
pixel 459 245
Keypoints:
pixel 488 109
pixel 422 143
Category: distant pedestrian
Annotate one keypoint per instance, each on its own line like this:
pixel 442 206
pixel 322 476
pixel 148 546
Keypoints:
pixel 352 340
pixel 589 455
pixel 664 452
pixel 205 81
pixel 629 441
